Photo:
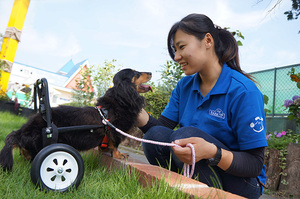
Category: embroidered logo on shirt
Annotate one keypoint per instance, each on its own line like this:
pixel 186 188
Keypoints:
pixel 257 125
pixel 217 113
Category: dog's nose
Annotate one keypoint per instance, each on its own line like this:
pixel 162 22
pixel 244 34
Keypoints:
pixel 148 73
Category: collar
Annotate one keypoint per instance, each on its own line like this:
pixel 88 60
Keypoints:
pixel 103 111
pixel 222 84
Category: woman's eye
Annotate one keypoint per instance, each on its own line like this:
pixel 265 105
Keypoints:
pixel 181 46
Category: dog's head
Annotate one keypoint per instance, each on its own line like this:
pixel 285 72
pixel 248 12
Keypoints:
pixel 135 78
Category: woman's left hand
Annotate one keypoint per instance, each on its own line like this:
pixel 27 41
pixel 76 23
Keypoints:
pixel 203 149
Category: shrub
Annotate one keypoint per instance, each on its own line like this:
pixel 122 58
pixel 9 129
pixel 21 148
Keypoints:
pixel 280 140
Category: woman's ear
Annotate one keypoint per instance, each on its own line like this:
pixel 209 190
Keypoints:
pixel 209 40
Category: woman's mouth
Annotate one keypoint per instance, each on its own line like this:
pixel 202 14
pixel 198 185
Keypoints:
pixel 183 66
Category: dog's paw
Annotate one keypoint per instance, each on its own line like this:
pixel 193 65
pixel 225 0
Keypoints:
pixel 118 155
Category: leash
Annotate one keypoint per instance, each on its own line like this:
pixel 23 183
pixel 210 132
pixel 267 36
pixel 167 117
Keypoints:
pixel 186 169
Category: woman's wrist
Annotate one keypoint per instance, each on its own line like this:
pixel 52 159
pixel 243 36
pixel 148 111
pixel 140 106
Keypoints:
pixel 142 119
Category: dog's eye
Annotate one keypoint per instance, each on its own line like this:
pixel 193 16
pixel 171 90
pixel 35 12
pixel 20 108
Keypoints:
pixel 138 74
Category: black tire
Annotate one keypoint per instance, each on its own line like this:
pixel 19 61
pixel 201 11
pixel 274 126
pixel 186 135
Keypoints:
pixel 57 167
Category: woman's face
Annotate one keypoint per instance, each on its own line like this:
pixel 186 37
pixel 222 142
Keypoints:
pixel 191 53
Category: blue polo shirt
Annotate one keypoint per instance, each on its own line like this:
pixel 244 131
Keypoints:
pixel 232 112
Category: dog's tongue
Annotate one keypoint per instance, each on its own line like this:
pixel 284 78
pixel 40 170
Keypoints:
pixel 147 87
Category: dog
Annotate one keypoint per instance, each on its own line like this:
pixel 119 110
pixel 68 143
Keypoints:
pixel 122 103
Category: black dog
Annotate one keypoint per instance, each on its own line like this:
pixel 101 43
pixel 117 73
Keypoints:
pixel 122 103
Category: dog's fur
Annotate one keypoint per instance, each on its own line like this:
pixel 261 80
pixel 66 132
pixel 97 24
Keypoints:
pixel 122 102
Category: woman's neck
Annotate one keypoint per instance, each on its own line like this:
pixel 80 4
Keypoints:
pixel 209 77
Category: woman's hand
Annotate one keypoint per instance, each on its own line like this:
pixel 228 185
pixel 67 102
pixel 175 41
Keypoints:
pixel 203 149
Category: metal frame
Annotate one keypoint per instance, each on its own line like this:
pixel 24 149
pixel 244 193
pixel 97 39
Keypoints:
pixel 50 132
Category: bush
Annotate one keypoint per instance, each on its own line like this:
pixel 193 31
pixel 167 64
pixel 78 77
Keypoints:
pixel 280 140
pixel 157 100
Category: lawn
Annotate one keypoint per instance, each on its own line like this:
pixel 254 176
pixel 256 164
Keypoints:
pixel 97 182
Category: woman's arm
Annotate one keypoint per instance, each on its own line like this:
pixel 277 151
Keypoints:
pixel 146 121
pixel 239 163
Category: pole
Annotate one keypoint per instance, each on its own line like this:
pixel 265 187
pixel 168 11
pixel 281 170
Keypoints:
pixel 11 40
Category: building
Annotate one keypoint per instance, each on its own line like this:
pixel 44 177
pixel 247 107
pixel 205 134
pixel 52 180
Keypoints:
pixel 60 83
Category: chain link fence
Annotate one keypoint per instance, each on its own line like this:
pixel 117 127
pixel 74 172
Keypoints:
pixel 277 85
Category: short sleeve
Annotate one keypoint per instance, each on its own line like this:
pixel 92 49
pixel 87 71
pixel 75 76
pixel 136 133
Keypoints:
pixel 248 120
pixel 172 109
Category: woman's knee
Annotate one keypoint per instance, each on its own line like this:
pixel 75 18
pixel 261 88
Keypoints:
pixel 187 132
pixel 158 133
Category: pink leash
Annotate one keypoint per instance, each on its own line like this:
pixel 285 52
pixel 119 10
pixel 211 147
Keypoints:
pixel 186 169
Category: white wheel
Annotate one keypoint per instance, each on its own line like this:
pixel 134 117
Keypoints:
pixel 57 167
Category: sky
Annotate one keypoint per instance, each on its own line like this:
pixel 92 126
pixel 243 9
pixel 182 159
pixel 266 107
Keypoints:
pixel 134 32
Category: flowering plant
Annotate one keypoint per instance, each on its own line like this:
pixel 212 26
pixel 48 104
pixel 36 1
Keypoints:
pixel 295 77
pixel 280 140
pixel 293 107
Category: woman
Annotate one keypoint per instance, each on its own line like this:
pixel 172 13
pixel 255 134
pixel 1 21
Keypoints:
pixel 218 108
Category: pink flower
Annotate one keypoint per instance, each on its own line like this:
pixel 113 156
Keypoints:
pixel 278 135
pixel 283 133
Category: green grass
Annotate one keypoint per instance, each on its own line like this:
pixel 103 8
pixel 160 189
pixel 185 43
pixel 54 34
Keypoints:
pixel 97 182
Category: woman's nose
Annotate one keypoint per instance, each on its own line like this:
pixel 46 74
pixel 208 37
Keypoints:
pixel 177 56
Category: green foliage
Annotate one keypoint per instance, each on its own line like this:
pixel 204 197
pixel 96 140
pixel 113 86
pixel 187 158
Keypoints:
pixel 171 73
pixel 4 97
pixel 237 35
pixel 98 77
pixel 157 100
pixel 103 76
pixel 295 77
pixel 291 14
pixel 266 101
pixel 83 95
pixel 280 140
pixel 294 12
pixel 293 106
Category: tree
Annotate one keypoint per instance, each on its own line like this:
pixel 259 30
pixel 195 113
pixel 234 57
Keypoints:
pixel 83 94
pixel 292 14
pixel 98 77
pixel 103 77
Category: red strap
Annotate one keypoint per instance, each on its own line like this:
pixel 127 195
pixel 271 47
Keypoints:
pixel 104 143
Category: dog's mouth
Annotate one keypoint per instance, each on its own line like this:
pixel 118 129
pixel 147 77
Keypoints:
pixel 145 87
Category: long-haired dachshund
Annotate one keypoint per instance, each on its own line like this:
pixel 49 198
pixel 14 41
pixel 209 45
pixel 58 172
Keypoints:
pixel 122 103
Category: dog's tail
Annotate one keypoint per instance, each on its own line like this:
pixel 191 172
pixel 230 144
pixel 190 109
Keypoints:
pixel 6 154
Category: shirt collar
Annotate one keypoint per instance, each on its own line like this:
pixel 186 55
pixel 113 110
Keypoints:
pixel 221 85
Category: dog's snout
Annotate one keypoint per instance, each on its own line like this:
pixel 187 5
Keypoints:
pixel 149 73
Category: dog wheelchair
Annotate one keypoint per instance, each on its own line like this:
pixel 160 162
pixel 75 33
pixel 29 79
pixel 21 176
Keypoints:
pixel 57 167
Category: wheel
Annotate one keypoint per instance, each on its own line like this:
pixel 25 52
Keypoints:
pixel 57 167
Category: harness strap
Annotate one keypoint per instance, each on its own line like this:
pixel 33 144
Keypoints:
pixel 105 141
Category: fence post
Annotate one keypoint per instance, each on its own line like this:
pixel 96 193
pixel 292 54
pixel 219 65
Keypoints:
pixel 274 93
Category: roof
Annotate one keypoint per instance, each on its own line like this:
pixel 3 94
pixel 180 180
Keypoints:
pixel 66 68
pixel 74 68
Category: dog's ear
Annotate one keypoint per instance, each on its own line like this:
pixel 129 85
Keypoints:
pixel 122 76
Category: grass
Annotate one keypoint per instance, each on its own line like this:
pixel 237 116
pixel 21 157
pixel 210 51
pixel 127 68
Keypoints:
pixel 97 182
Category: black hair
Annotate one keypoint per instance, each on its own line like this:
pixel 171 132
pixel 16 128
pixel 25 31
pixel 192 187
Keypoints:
pixel 199 25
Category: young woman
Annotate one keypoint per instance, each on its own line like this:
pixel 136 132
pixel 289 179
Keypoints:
pixel 218 108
